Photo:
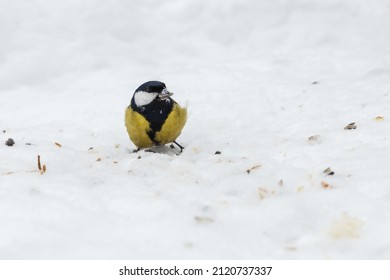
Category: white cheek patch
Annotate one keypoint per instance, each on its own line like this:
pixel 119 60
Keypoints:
pixel 142 98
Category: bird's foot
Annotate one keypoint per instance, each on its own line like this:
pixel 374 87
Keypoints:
pixel 180 146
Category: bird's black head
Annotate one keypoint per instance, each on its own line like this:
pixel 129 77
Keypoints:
pixel 152 86
pixel 153 91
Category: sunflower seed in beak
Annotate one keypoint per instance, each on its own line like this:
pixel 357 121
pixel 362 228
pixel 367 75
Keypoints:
pixel 164 94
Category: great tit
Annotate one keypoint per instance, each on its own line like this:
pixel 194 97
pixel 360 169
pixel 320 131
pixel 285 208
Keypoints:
pixel 153 118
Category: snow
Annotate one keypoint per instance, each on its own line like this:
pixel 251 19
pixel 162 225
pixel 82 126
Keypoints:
pixel 259 77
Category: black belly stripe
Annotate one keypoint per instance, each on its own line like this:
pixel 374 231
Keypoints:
pixel 156 113
pixel 152 136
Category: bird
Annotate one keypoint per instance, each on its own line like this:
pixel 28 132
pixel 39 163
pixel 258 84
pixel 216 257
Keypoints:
pixel 153 118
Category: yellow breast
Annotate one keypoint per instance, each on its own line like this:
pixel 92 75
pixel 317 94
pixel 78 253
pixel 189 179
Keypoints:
pixel 137 127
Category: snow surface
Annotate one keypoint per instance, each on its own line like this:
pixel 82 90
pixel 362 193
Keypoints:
pixel 259 77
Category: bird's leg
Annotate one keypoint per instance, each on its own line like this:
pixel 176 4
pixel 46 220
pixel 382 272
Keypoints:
pixel 180 146
pixel 136 150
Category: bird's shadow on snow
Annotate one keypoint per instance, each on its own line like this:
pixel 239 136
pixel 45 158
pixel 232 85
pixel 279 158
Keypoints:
pixel 165 150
